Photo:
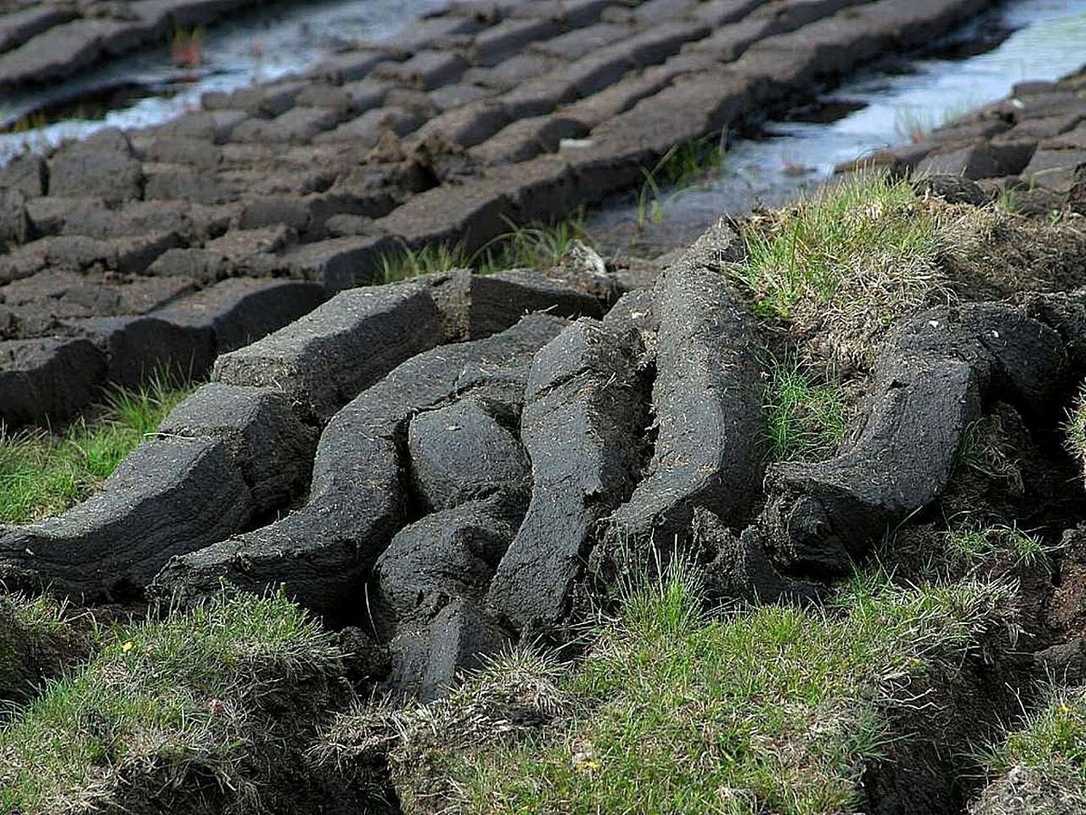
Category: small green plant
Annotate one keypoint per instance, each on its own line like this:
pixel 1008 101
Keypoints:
pixel 43 474
pixel 913 125
pixel 1074 428
pixel 916 125
pixel 187 47
pixel 430 259
pixel 970 548
pixel 28 123
pixel 535 246
pixel 682 167
pixel 985 449
pixel 1008 200
pixel 161 699
pixel 805 418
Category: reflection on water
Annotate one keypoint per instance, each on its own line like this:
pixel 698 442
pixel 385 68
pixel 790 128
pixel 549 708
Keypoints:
pixel 257 46
pixel 1049 41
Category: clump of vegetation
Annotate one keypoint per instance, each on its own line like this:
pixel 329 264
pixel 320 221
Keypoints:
pixel 988 450
pixel 774 709
pixel 42 474
pixel 515 693
pixel 209 698
pixel 846 263
pixel 187 48
pixel 36 639
pixel 806 419
pixel 430 259
pixel 1075 428
pixel 1041 767
pixel 536 246
pixel 970 548
pixel 683 166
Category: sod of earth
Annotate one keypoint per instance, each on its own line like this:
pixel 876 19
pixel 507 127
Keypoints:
pixel 35 641
pixel 42 474
pixel 769 709
pixel 1041 765
pixel 161 697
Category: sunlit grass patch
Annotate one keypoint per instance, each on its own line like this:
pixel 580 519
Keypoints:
pixel 195 692
pixel 43 474
pixel 970 548
pixel 774 709
pixel 1041 765
pixel 1074 429
pixel 846 263
pixel 532 246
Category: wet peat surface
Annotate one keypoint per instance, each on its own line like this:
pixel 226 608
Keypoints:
pixel 886 105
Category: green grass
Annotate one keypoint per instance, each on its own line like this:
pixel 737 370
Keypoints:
pixel 845 263
pixel 43 474
pixel 805 419
pixel 986 449
pixel 536 246
pixel 1041 765
pixel 774 709
pixel 35 633
pixel 1074 428
pixel 160 698
pixel 682 167
pixel 975 547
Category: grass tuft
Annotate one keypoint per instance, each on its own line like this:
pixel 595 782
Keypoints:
pixel 773 710
pixel 43 474
pixel 970 548
pixel 805 418
pixel 160 700
pixel 1042 764
pixel 845 263
pixel 1074 428
pixel 187 47
pixel 36 637
pixel 988 450
pixel 536 246
pixel 682 167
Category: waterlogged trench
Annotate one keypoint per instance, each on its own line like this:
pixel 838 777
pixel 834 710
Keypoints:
pixel 882 107
pixel 146 89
